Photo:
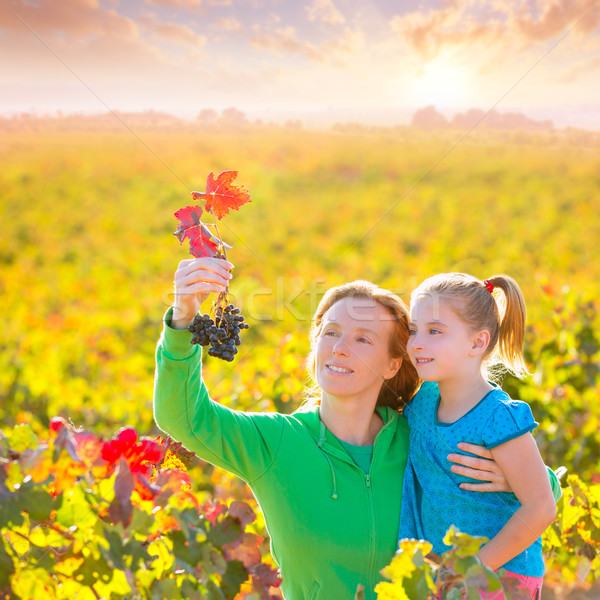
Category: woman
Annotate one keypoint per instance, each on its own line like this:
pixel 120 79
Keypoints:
pixel 328 478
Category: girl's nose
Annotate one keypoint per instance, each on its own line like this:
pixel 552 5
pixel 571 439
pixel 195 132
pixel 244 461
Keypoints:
pixel 415 341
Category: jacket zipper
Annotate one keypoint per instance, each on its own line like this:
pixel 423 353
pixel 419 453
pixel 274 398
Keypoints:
pixel 370 502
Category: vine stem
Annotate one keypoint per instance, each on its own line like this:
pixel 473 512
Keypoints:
pixel 223 251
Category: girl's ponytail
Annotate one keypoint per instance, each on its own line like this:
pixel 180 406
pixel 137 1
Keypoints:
pixel 513 315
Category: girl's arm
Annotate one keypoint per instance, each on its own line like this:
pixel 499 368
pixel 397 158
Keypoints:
pixel 520 461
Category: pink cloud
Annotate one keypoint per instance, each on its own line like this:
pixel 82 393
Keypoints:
pixel 325 11
pixel 189 4
pixel 583 69
pixel 229 24
pixel 285 39
pixel 556 17
pixel 504 24
pixel 180 34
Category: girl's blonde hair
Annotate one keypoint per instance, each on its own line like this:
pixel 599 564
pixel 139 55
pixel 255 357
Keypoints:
pixel 398 390
pixel 503 314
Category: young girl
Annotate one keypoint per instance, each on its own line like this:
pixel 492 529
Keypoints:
pixel 457 328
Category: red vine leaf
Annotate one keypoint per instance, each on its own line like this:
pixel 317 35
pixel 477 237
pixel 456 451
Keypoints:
pixel 189 216
pixel 245 549
pixel 221 195
pixel 202 244
pixel 242 511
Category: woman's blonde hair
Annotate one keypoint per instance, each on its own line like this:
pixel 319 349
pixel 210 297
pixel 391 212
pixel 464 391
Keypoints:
pixel 398 390
pixel 503 314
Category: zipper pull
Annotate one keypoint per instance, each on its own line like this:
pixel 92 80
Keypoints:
pixel 368 480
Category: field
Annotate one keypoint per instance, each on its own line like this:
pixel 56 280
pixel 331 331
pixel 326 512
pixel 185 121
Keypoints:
pixel 87 258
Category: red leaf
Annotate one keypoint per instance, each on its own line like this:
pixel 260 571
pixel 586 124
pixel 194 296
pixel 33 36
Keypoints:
pixel 221 195
pixel 244 549
pixel 202 245
pixel 121 509
pixel 212 510
pixel 242 511
pixel 264 575
pixel 189 216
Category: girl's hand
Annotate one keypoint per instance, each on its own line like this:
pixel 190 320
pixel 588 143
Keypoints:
pixel 195 279
pixel 485 469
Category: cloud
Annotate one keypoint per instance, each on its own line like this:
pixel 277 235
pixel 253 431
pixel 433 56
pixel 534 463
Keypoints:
pixel 325 11
pixel 191 5
pixel 77 18
pixel 180 34
pixel 555 18
pixel 228 24
pixel 582 70
pixel 497 25
pixel 285 39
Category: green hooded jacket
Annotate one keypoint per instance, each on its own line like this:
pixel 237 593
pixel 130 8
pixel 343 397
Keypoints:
pixel 331 526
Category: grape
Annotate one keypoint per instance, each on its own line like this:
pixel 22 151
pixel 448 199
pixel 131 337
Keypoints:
pixel 222 333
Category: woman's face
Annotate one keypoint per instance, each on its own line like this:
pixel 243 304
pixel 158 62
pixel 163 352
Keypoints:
pixel 352 355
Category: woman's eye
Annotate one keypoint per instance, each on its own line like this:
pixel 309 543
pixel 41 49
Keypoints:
pixel 434 331
pixel 329 332
pixel 364 340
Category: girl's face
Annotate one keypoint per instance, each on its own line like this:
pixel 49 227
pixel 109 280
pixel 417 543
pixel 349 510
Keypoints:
pixel 352 355
pixel 440 342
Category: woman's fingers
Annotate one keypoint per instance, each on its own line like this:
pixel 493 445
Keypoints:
pixel 475 449
pixel 203 269
pixel 484 469
pixel 493 486
pixel 194 280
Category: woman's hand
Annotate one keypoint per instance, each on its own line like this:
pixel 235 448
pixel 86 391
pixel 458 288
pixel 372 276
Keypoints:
pixel 485 469
pixel 195 279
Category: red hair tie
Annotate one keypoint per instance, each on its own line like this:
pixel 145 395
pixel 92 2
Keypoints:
pixel 489 285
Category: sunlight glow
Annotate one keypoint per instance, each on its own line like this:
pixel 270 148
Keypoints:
pixel 441 84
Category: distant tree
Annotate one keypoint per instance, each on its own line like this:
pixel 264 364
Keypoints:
pixel 293 124
pixel 429 118
pixel 207 116
pixel 232 117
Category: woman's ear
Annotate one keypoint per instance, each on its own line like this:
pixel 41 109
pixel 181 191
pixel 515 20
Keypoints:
pixel 481 341
pixel 394 367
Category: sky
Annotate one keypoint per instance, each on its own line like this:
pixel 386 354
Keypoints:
pixel 375 61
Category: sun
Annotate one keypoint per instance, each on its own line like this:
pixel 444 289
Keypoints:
pixel 442 84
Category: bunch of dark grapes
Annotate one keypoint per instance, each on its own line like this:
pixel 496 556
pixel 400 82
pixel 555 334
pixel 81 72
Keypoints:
pixel 222 333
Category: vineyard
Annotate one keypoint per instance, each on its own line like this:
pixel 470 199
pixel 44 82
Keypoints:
pixel 87 257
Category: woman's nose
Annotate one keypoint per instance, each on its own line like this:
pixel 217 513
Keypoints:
pixel 340 347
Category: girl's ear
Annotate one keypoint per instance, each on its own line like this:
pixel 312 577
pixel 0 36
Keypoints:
pixel 394 367
pixel 481 341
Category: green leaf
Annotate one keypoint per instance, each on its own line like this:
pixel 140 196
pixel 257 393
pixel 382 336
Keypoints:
pixel 187 553
pixel 23 438
pixel 95 568
pixel 76 510
pixel 235 575
pixel 36 501
pixel 225 531
pixel 7 567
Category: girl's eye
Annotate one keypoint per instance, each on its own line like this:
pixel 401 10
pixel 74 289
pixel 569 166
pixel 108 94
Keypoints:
pixel 364 340
pixel 412 332
pixel 329 332
pixel 434 331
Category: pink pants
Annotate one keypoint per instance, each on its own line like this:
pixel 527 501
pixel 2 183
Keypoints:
pixel 524 588
pixel 527 588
